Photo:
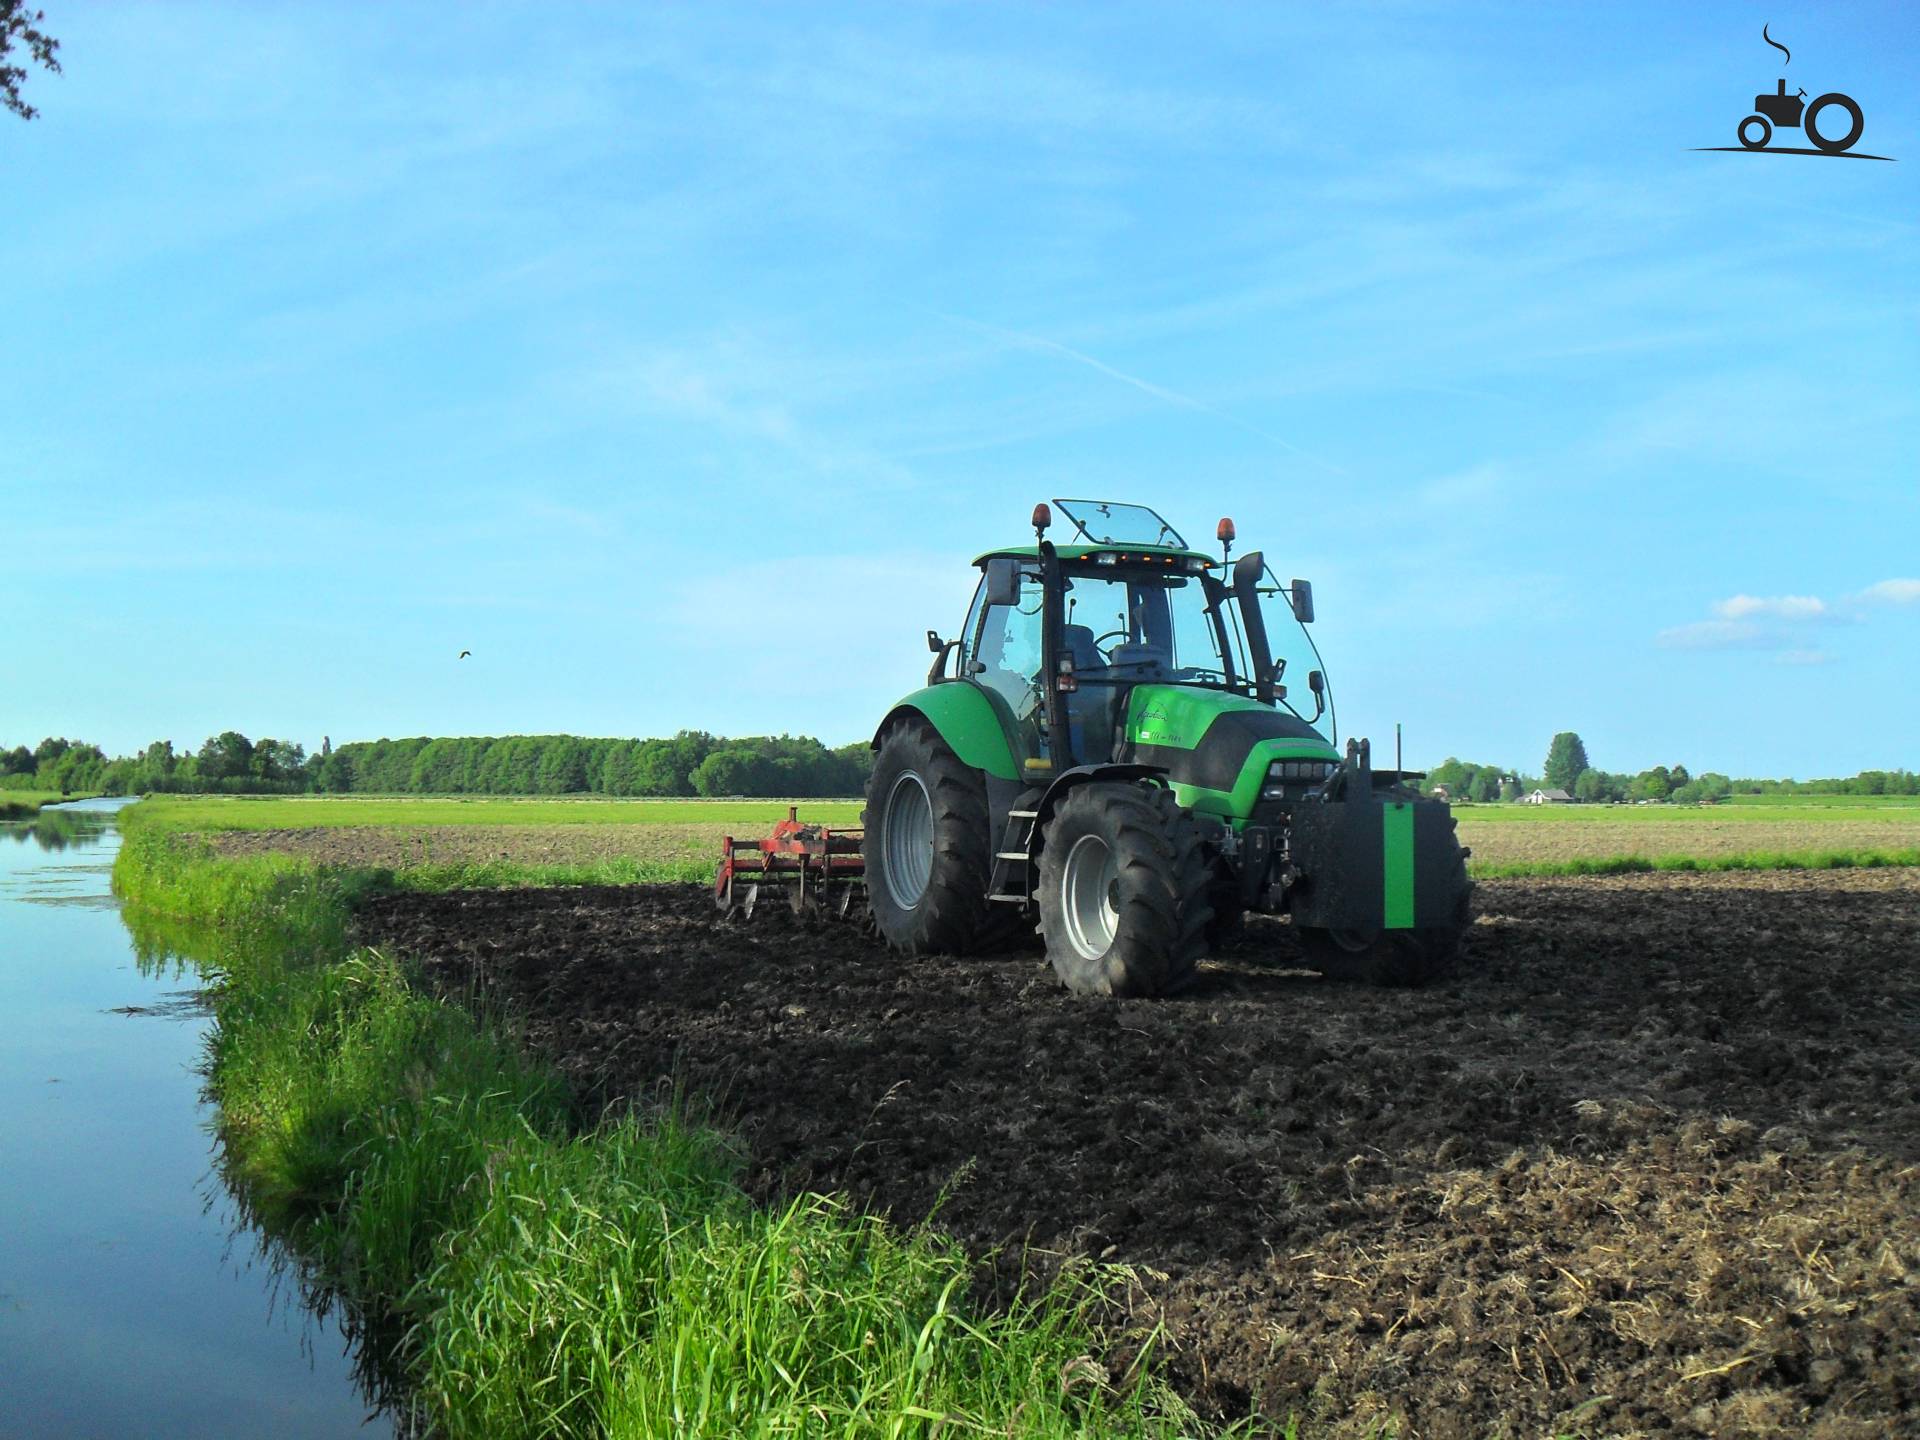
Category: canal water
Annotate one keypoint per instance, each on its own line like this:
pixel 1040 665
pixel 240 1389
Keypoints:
pixel 134 1299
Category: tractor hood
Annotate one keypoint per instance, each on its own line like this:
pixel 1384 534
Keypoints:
pixel 1216 747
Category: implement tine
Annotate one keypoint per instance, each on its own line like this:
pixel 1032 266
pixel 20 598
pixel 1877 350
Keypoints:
pixel 819 866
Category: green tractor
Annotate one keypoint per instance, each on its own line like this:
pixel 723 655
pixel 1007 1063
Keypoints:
pixel 1114 744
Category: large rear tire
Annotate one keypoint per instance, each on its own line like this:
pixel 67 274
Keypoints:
pixel 928 846
pixel 1402 959
pixel 1123 891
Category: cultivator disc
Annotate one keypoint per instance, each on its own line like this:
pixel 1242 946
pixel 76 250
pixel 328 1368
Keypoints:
pixel 819 867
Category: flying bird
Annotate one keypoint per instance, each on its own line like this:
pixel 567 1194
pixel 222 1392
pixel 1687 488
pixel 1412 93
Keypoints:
pixel 465 653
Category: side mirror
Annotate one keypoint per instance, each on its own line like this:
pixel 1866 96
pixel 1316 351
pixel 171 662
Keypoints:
pixel 934 642
pixel 1003 581
pixel 1301 593
pixel 1316 682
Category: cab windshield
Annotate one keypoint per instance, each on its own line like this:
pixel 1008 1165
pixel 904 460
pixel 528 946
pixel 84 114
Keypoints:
pixel 1109 522
pixel 1294 654
pixel 1130 626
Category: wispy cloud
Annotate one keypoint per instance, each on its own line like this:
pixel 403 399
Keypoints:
pixel 1893 592
pixel 1778 607
pixel 1027 341
pixel 734 390
pixel 1783 624
pixel 1717 635
pixel 1475 485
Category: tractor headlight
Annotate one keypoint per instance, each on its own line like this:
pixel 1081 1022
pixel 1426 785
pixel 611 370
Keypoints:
pixel 1300 772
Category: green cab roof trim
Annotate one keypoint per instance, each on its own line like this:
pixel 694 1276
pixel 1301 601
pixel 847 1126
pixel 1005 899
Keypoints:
pixel 1082 552
pixel 966 720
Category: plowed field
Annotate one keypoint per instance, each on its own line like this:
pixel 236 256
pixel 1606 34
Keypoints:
pixel 1649 1165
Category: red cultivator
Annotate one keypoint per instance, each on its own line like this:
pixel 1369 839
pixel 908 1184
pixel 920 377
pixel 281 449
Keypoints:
pixel 819 867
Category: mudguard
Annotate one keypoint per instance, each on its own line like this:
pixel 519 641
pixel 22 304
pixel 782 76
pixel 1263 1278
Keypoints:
pixel 966 720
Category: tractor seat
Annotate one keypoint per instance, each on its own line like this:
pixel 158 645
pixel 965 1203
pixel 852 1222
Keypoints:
pixel 1086 655
pixel 1135 655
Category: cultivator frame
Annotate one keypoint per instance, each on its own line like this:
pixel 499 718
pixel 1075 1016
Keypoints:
pixel 821 868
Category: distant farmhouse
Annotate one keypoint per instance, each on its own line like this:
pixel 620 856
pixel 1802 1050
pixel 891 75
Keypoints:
pixel 1549 797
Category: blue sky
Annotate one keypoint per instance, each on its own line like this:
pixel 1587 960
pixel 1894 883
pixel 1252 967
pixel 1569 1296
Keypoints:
pixel 676 362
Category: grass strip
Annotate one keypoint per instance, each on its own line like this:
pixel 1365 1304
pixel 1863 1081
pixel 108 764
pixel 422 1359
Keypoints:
pixel 553 1280
pixel 1749 860
pixel 25 804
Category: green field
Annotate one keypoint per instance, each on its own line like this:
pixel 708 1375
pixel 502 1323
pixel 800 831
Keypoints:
pixel 1842 801
pixel 1587 839
pixel 1816 809
pixel 278 812
pixel 490 841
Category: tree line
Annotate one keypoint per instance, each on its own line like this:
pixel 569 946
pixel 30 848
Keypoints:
pixel 695 763
pixel 690 763
pixel 1568 768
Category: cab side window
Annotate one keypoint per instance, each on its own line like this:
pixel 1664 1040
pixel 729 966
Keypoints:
pixel 1005 654
pixel 970 632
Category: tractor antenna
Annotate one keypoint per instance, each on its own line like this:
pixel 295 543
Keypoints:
pixel 1223 532
pixel 1042 518
pixel 1396 746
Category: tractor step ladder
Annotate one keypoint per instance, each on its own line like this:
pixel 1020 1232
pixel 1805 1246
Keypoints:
pixel 1015 856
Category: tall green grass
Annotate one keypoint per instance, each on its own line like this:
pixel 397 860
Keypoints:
pixel 546 1279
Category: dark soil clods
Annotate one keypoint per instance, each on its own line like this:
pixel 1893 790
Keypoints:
pixel 1648 1165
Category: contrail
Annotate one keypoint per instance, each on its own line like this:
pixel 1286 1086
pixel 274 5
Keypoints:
pixel 1777 45
pixel 1159 392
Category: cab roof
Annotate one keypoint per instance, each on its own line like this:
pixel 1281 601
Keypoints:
pixel 1111 527
pixel 1153 554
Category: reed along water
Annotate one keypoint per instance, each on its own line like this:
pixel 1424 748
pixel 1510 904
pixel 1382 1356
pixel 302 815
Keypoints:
pixel 134 1299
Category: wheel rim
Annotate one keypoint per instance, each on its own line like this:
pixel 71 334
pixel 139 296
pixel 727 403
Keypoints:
pixel 1087 885
pixel 909 837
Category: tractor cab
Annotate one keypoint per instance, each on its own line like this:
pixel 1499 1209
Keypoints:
pixel 1063 638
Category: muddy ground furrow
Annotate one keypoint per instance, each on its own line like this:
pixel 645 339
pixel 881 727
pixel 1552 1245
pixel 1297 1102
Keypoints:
pixel 1650 1164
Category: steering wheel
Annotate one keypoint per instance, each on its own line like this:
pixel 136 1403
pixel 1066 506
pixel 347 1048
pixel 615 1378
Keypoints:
pixel 1098 640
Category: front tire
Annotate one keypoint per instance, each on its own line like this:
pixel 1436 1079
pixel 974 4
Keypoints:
pixel 1123 891
pixel 928 846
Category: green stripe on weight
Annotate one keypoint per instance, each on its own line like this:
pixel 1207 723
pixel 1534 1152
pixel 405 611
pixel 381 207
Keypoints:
pixel 1396 844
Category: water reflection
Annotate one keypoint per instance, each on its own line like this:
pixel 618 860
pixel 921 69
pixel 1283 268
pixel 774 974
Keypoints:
pixel 169 949
pixel 134 1275
pixel 60 830
pixel 296 1291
